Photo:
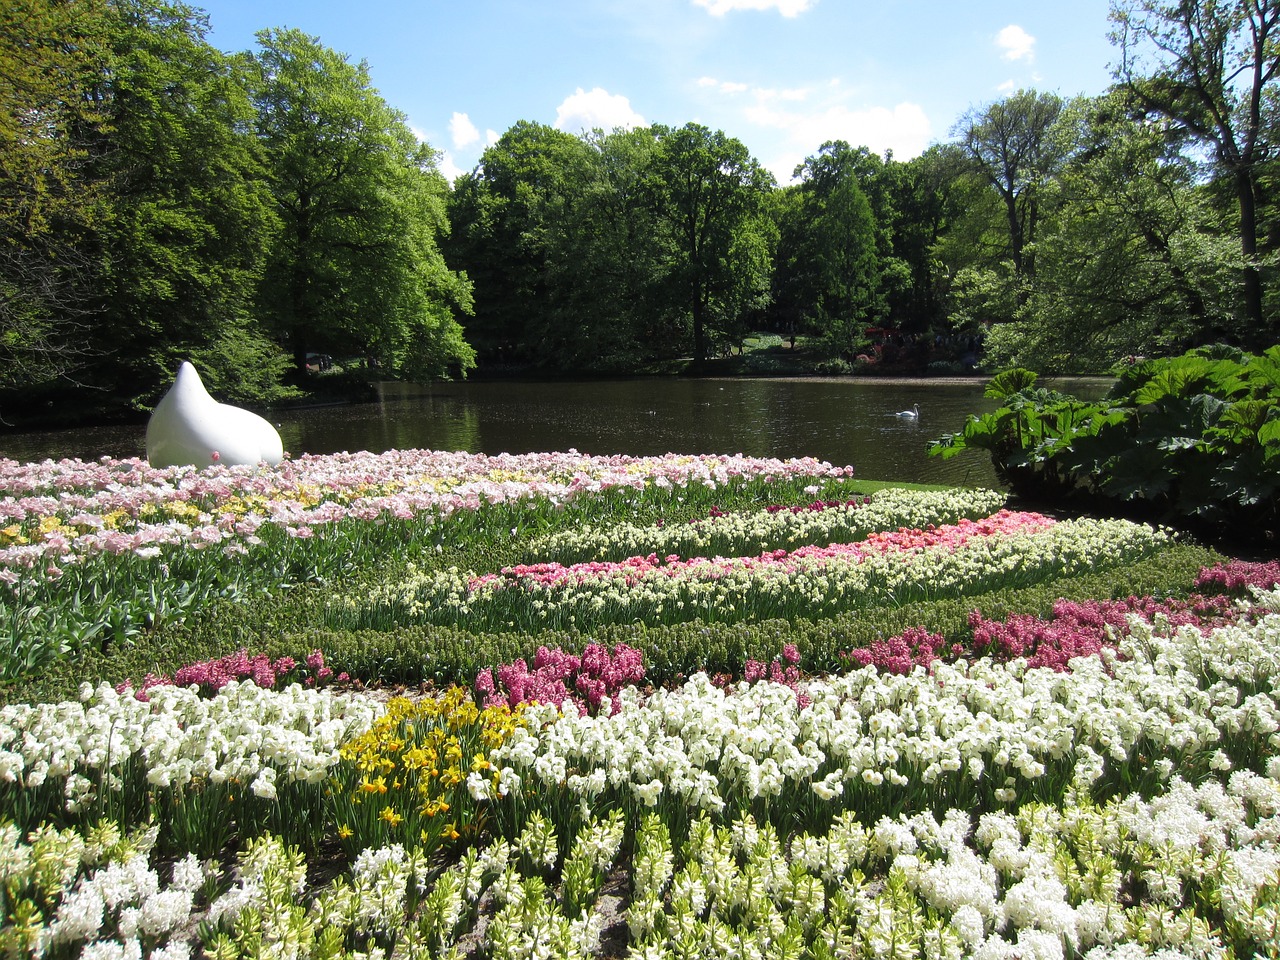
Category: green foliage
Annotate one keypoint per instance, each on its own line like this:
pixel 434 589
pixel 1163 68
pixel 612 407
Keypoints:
pixel 709 194
pixel 356 269
pixel 1011 146
pixel 543 227
pixel 1126 263
pixel 189 212
pixel 828 264
pixel 1193 440
pixel 50 53
pixel 1210 69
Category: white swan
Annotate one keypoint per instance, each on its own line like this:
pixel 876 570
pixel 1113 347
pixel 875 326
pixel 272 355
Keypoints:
pixel 190 427
pixel 911 414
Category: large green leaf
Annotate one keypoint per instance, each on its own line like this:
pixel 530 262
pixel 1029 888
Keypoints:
pixel 1179 378
pixel 1009 382
pixel 1263 374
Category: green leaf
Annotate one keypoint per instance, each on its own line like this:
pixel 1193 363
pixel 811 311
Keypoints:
pixel 1009 382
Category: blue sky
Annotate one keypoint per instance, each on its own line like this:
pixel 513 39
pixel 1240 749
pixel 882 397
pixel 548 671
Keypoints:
pixel 782 76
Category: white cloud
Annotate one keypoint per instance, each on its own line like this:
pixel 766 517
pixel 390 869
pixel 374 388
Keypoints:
pixel 724 86
pixel 1016 43
pixel 463 131
pixel 449 167
pixel 1007 87
pixel 903 128
pixel 788 8
pixel 597 108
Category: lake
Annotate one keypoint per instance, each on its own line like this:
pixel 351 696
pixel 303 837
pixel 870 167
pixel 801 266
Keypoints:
pixel 844 421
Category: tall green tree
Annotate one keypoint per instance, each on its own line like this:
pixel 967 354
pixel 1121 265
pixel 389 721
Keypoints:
pixel 513 219
pixel 1211 66
pixel 828 257
pixel 709 195
pixel 51 55
pixel 923 205
pixel 189 214
pixel 612 259
pixel 356 269
pixel 1128 261
pixel 1010 145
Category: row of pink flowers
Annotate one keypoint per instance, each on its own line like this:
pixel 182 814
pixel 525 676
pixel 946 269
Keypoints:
pixel 565 679
pixel 1074 630
pixel 546 576
pixel 1237 575
pixel 212 675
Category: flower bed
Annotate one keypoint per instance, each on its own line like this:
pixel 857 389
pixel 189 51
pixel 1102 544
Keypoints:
pixel 1098 777
pixel 94 554
pixel 980 808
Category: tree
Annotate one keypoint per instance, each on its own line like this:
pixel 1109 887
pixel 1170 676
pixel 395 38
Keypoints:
pixel 356 269
pixel 188 214
pixel 708 194
pixel 50 57
pixel 612 268
pixel 1127 261
pixel 1009 144
pixel 1214 76
pixel 513 217
pixel 828 259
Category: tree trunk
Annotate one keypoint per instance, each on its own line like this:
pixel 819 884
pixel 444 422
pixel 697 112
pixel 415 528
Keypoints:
pixel 1249 250
pixel 699 329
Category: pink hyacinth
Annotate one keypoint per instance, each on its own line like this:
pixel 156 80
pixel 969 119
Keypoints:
pixel 1235 575
pixel 212 675
pixel 564 679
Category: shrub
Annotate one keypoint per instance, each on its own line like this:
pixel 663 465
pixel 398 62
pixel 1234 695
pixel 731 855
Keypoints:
pixel 1191 440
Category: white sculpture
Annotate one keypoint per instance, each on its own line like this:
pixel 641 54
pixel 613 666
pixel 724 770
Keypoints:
pixel 190 427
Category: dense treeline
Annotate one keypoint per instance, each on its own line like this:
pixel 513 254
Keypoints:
pixel 161 200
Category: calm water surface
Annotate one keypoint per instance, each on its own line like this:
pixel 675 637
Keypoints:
pixel 842 421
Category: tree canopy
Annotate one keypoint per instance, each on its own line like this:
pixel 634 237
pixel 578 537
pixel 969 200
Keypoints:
pixel 161 200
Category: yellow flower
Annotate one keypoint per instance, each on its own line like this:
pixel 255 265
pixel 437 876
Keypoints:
pixel 344 832
pixel 480 762
pixel 415 758
pixel 377 785
pixel 52 525
pixel 390 816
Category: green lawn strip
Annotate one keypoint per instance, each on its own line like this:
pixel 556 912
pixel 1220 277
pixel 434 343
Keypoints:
pixel 413 655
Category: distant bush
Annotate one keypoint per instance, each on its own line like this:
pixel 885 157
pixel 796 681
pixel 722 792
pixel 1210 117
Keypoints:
pixel 833 367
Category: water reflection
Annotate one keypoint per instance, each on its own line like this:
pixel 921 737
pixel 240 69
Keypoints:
pixel 842 421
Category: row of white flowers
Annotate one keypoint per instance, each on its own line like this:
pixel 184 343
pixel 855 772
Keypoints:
pixel 743 534
pixel 1041 881
pixel 243 733
pixel 809 584
pixel 1177 695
